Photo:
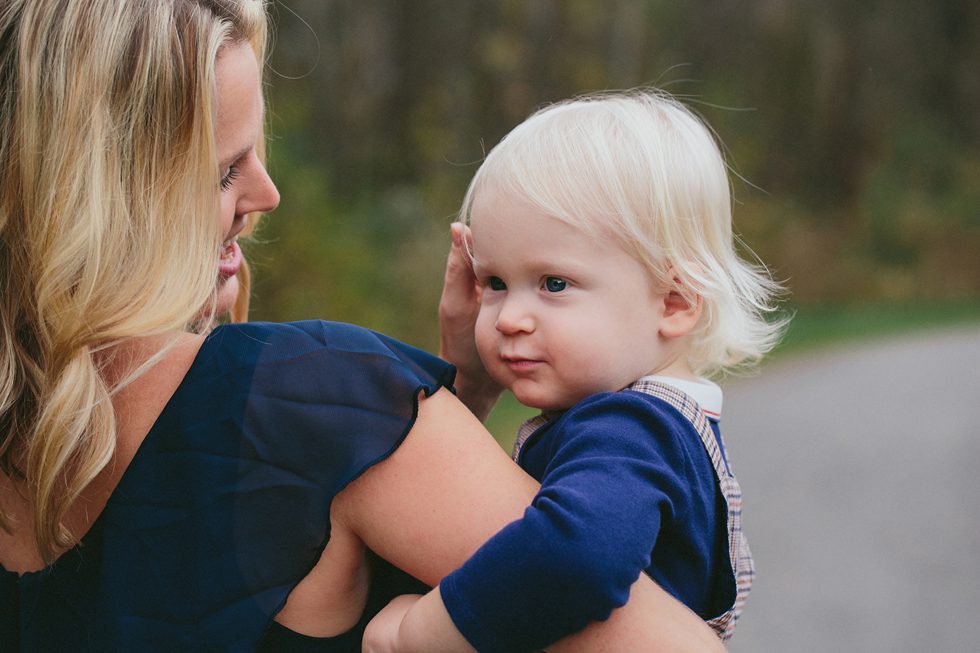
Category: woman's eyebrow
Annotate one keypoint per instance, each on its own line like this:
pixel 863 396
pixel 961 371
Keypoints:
pixel 236 156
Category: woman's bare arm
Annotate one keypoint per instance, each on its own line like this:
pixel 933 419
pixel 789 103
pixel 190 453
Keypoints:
pixel 652 621
pixel 440 495
pixel 448 488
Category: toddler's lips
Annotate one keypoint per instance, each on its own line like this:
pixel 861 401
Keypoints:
pixel 231 260
pixel 518 364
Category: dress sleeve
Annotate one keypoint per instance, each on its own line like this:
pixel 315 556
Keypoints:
pixel 610 484
pixel 236 484
pixel 341 401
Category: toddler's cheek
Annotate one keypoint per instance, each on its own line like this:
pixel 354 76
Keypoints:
pixel 486 351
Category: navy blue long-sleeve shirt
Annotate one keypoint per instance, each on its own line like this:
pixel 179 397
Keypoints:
pixel 626 486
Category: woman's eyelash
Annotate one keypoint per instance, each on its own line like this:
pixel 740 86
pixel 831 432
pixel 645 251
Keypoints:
pixel 229 177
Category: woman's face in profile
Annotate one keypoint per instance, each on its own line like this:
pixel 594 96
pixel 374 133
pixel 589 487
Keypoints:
pixel 245 184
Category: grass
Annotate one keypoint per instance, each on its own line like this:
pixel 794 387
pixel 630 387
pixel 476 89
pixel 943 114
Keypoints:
pixel 506 417
pixel 816 326
pixel 812 327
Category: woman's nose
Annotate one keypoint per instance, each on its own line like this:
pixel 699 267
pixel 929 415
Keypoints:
pixel 262 195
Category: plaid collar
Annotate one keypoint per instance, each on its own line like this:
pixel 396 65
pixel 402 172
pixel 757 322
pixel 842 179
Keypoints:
pixel 707 393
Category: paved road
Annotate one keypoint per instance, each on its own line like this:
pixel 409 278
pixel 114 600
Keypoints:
pixel 861 475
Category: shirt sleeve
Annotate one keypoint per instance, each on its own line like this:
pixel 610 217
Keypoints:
pixel 610 483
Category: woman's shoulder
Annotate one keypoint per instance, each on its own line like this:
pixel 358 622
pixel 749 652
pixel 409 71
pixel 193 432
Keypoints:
pixel 315 342
pixel 317 384
pixel 286 340
pixel 315 376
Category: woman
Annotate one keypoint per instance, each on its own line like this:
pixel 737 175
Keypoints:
pixel 166 485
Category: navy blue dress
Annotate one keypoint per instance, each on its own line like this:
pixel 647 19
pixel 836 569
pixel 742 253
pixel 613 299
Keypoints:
pixel 225 506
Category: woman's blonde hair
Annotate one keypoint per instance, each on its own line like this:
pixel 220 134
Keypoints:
pixel 640 168
pixel 108 214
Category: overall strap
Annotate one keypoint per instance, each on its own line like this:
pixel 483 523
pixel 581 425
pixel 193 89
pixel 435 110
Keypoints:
pixel 738 548
pixel 526 429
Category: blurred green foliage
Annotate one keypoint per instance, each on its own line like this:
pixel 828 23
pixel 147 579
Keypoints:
pixel 852 129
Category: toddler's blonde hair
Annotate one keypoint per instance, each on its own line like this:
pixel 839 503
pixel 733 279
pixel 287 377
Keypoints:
pixel 640 168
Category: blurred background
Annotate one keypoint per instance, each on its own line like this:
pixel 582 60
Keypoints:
pixel 852 130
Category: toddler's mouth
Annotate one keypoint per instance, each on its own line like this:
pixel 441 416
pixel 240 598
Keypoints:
pixel 520 364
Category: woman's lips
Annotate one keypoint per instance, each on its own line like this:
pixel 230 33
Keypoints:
pixel 231 260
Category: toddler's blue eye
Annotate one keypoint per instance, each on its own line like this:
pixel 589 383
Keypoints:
pixel 555 284
pixel 496 283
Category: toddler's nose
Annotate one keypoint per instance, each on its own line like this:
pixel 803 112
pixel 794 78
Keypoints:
pixel 514 317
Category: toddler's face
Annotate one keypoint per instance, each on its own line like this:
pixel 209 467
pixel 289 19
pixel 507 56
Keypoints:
pixel 563 314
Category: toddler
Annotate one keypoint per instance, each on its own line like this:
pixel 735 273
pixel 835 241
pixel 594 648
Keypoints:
pixel 610 289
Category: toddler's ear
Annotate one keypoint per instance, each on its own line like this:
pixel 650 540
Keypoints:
pixel 681 313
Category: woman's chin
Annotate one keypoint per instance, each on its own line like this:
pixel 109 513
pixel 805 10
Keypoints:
pixel 224 300
pixel 226 296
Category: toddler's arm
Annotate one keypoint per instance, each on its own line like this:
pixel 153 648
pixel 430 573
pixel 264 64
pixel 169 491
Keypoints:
pixel 413 623
pixel 573 556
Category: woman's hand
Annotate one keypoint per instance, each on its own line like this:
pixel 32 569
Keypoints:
pixel 458 308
